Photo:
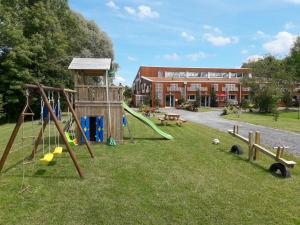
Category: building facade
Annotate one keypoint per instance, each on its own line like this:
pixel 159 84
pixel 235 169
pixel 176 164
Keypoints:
pixel 167 86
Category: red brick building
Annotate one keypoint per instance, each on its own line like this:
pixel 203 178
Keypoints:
pixel 168 85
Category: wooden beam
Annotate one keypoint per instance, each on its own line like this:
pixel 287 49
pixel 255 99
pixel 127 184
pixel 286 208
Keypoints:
pixel 47 88
pixel 78 124
pixel 60 130
pixel 11 141
pixel 273 156
pixel 14 135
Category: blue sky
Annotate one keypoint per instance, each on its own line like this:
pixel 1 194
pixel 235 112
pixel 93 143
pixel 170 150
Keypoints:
pixel 193 33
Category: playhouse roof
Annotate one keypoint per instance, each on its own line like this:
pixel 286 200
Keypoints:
pixel 95 64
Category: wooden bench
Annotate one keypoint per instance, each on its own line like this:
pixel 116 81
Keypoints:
pixel 163 121
pixel 179 122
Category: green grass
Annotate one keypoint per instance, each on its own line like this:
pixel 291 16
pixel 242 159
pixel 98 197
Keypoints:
pixel 288 120
pixel 185 181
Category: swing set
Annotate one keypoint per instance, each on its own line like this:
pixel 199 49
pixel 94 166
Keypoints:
pixel 50 112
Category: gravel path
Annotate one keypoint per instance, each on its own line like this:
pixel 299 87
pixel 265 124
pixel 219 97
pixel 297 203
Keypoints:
pixel 269 136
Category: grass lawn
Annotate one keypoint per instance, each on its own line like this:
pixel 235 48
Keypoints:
pixel 154 181
pixel 288 120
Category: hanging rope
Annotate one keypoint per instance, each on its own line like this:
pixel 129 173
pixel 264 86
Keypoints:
pixel 42 121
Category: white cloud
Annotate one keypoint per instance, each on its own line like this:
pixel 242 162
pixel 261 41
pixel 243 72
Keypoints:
pixel 244 52
pixel 146 11
pixel 219 40
pixel 129 10
pixel 171 57
pixel 254 58
pixel 187 37
pixel 191 57
pixel 119 79
pixel 142 11
pixel 196 56
pixel 112 5
pixel 211 28
pixel 289 25
pixel 131 58
pixel 281 43
pixel 294 1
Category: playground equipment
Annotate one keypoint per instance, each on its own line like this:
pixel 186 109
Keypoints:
pixel 99 102
pixel 146 121
pixel 51 114
pixel 255 148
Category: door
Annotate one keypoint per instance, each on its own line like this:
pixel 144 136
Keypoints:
pixel 85 124
pixel 99 128
pixel 170 101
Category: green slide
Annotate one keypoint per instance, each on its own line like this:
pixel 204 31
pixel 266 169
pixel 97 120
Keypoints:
pixel 146 121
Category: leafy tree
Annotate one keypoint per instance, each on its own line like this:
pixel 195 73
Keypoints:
pixel 287 98
pixel 197 103
pixel 2 114
pixel 213 98
pixel 266 98
pixel 38 39
pixel 293 60
pixel 128 92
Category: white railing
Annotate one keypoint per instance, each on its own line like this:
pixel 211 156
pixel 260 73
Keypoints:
pixel 230 89
pixel 197 89
pixel 246 89
pixel 174 89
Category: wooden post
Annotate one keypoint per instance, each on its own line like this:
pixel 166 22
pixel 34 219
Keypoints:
pixel 60 130
pixel 234 129
pixel 251 142
pixel 257 141
pixel 278 152
pixel 11 140
pixel 78 124
pixel 281 153
pixel 237 129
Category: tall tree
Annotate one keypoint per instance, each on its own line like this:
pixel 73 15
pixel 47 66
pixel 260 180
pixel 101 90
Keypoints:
pixel 38 39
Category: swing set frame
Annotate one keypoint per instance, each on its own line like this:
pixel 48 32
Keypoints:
pixel 40 89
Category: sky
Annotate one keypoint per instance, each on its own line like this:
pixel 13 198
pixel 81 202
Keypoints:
pixel 193 33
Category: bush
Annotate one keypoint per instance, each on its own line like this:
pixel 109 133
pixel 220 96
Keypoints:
pixel 230 109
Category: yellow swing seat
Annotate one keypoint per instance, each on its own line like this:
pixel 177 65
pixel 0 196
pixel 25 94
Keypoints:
pixel 47 158
pixel 57 150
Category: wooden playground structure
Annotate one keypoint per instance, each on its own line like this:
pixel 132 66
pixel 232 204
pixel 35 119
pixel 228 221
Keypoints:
pixel 98 102
pixel 254 148
pixel 51 114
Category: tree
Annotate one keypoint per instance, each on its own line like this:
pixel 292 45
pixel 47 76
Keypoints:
pixel 2 114
pixel 198 99
pixel 287 98
pixel 266 98
pixel 213 98
pixel 293 60
pixel 38 39
pixel 128 92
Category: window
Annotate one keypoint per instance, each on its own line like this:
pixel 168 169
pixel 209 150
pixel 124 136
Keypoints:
pixel 192 98
pixel 230 87
pixel 215 87
pixel 159 91
pixel 194 87
pixel 232 97
pixel 246 97
pixel 160 74
pixel 173 87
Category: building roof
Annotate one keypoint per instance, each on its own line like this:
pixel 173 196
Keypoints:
pixel 191 80
pixel 152 71
pixel 90 64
